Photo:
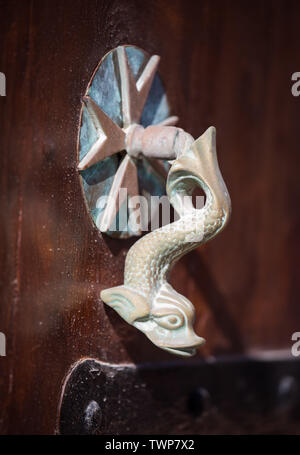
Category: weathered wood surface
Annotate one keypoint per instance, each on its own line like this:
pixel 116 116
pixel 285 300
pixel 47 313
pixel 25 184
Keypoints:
pixel 223 63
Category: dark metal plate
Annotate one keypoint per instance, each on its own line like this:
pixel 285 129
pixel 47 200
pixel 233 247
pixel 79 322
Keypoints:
pixel 233 396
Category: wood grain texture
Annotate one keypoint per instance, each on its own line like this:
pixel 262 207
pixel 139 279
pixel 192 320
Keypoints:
pixel 227 64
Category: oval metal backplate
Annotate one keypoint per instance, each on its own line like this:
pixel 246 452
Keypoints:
pixel 104 88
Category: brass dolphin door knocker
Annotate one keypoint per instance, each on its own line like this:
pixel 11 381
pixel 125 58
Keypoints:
pixel 146 300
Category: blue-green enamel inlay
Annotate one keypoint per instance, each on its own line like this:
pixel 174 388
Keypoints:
pixel 136 59
pixel 105 90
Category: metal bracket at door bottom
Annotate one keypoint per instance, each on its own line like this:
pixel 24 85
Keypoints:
pixel 237 395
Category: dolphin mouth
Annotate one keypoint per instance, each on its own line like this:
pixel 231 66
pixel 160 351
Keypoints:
pixel 187 350
pixel 182 352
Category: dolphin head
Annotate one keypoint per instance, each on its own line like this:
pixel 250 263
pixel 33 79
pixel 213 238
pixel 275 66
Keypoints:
pixel 168 323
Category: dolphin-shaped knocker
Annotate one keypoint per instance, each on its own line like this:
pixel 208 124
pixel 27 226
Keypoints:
pixel 146 300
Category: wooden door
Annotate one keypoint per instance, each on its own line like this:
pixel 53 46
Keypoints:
pixel 227 64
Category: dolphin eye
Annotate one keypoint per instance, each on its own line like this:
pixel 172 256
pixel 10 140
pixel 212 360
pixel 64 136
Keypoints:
pixel 171 321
